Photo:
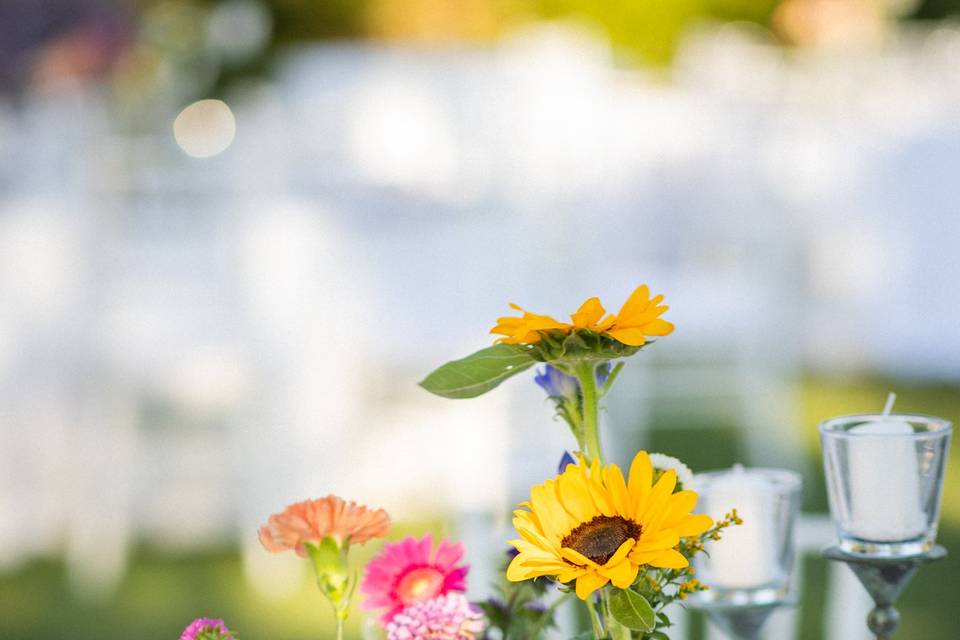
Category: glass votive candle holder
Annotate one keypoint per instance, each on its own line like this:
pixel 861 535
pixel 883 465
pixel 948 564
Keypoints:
pixel 884 480
pixel 752 563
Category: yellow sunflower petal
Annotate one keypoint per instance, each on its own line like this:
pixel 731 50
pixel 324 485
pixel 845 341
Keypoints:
pixel 599 493
pixel 666 539
pixel 575 496
pixel 619 497
pixel 640 557
pixel 522 567
pixel 694 525
pixel 538 322
pixel 622 552
pixel 555 521
pixel 652 312
pixel 534 551
pixel 570 573
pixel 658 327
pixel 588 314
pixel 577 558
pixel 588 583
pixel 525 329
pixel 606 323
pixel 622 575
pixel 669 559
pixel 653 514
pixel 636 304
pixel 534 536
pixel 516 572
pixel 633 337
pixel 679 505
pixel 640 479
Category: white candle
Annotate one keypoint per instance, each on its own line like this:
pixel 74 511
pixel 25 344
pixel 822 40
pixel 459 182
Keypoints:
pixel 746 557
pixel 884 481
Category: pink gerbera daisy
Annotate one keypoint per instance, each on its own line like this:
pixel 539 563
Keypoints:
pixel 409 572
pixel 449 617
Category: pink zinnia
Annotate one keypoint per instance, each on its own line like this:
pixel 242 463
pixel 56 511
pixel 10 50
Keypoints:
pixel 409 572
pixel 206 628
pixel 449 617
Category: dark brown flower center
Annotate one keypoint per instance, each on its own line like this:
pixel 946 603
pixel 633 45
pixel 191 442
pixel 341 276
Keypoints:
pixel 600 538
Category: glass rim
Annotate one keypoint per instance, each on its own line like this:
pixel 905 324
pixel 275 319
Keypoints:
pixel 944 426
pixel 785 478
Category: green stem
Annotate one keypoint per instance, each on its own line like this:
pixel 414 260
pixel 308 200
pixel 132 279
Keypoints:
pixel 610 378
pixel 547 615
pixel 586 374
pixel 339 628
pixel 594 620
pixel 605 599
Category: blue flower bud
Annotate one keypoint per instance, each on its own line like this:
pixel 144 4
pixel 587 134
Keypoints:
pixel 603 372
pixel 567 459
pixel 557 384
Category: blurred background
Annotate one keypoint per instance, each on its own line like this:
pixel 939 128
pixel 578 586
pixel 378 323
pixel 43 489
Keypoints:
pixel 234 235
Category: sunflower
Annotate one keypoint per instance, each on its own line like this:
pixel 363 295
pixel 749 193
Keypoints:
pixel 639 318
pixel 591 526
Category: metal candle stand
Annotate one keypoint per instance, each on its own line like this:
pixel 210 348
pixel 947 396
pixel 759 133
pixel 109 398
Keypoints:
pixel 884 578
pixel 742 621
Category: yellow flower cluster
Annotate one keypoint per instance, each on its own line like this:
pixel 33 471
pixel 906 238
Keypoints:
pixel 639 318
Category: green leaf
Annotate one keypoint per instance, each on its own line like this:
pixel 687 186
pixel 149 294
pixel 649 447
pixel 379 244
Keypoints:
pixel 618 631
pixel 478 373
pixel 657 635
pixel 632 610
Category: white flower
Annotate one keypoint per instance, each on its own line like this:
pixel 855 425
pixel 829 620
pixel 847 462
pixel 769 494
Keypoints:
pixel 662 462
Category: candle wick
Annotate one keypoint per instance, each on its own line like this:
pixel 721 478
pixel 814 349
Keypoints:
pixel 887 408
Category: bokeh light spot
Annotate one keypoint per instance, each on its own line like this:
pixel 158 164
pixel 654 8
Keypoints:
pixel 205 128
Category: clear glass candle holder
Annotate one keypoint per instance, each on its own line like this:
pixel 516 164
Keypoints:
pixel 884 481
pixel 753 562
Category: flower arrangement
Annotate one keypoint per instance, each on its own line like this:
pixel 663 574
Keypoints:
pixel 619 543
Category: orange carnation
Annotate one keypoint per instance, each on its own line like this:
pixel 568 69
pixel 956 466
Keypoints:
pixel 314 520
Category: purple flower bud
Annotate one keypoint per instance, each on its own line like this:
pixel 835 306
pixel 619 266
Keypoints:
pixel 603 372
pixel 557 384
pixel 567 459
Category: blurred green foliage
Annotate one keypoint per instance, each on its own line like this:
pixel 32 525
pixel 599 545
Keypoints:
pixel 643 31
pixel 648 31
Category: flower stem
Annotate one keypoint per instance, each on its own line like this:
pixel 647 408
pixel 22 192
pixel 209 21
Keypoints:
pixel 547 615
pixel 605 599
pixel 339 628
pixel 591 430
pixel 594 620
